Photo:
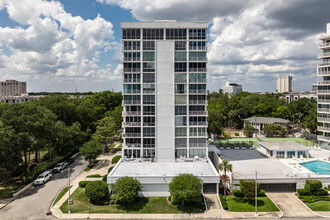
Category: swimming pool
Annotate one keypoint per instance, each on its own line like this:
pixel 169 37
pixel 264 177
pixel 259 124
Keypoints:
pixel 317 166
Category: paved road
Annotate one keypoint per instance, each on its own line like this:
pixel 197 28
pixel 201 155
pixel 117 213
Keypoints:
pixel 35 203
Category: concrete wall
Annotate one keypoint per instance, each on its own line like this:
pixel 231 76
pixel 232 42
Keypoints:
pixel 165 100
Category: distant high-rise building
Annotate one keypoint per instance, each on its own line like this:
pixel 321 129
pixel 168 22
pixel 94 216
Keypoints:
pixel 12 88
pixel 284 83
pixel 323 91
pixel 232 88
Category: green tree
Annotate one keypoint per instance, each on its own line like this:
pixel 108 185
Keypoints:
pixel 216 121
pixel 275 130
pixel 186 188
pixel 106 131
pixel 249 130
pixel 91 150
pixel 225 166
pixel 283 112
pixel 125 190
pixel 97 192
pixel 248 187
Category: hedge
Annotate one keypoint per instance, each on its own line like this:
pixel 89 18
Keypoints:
pixel 238 193
pixel 223 202
pixel 83 184
pixel 110 168
pixel 311 199
pixel 93 176
pixel 115 159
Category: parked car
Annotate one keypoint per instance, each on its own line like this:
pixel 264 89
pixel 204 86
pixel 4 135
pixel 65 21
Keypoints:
pixel 69 161
pixel 42 178
pixel 59 167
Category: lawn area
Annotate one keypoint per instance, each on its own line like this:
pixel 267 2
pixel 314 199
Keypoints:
pixel 89 167
pixel 61 194
pixel 319 205
pixel 6 191
pixel 144 205
pixel 236 204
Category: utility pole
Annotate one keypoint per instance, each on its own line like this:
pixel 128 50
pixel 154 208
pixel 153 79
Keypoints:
pixel 256 200
pixel 69 200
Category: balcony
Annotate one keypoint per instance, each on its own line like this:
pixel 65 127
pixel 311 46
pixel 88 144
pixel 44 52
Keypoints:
pixel 324 45
pixel 148 123
pixel 132 70
pixel 202 123
pixel 125 59
pixel 128 48
pixel 323 91
pixel 323 55
pixel 149 145
pixel 197 144
pixel 134 124
pixel 198 102
pixel 203 134
pixel 323 64
pixel 197 59
pixel 324 36
pixel 149 135
pixel 131 134
pixel 132 113
pixel 322 128
pixel 323 138
pixel 131 80
pixel 198 113
pixel 131 102
pixel 131 91
pixel 197 91
pixel 133 145
pixel 197 70
pixel 323 73
pixel 323 110
pixel 324 100
pixel 323 119
pixel 197 80
pixel 197 48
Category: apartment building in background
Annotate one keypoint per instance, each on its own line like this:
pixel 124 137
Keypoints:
pixel 164 104
pixel 323 91
pixel 12 88
pixel 283 83
pixel 232 88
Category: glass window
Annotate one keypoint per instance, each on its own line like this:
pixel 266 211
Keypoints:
pixel 180 142
pixel 197 45
pixel 148 99
pixel 180 99
pixel 201 153
pixel 180 153
pixel 197 142
pixel 153 34
pixel 148 132
pixel 132 67
pixel 148 56
pixel 180 45
pixel 148 142
pixel 148 45
pixel 131 45
pixel 197 67
pixel 131 56
pixel 180 67
pixel 197 56
pixel 148 67
pixel 180 88
pixel 180 110
pixel 148 153
pixel 148 110
pixel 197 77
pixel 180 132
pixel 197 34
pixel 132 77
pixel 148 88
pixel 131 34
pixel 172 34
pixel 180 56
pixel 148 77
pixel 148 121
pixel 180 121
pixel 180 77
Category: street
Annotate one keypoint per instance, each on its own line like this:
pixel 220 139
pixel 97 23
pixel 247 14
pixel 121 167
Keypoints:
pixel 35 203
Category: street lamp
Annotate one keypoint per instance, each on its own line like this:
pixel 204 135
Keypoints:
pixel 256 199
pixel 69 200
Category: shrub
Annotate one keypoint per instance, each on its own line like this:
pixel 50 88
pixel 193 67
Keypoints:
pixel 322 192
pixel 115 159
pixel 262 193
pixel 304 192
pixel 223 202
pixel 238 193
pixel 110 168
pixel 186 188
pixel 249 188
pixel 97 192
pixel 83 184
pixel 93 176
pixel 105 178
pixel 313 186
pixel 125 190
pixel 310 199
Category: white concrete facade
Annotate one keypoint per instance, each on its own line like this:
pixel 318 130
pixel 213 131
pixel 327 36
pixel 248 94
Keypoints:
pixel 284 83
pixel 283 149
pixel 12 88
pixel 232 88
pixel 323 91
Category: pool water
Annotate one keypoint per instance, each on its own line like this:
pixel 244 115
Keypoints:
pixel 317 166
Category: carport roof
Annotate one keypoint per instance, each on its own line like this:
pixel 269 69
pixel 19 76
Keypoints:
pixel 283 146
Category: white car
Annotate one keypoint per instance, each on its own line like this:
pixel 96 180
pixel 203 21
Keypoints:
pixel 42 178
pixel 59 167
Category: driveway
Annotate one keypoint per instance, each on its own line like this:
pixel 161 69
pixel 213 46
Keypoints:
pixel 35 203
pixel 290 205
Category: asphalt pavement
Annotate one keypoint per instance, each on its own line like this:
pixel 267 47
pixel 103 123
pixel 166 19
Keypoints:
pixel 35 203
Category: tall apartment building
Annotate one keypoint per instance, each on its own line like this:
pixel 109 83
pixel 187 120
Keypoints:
pixel 12 87
pixel 284 83
pixel 164 71
pixel 164 104
pixel 323 91
pixel 232 88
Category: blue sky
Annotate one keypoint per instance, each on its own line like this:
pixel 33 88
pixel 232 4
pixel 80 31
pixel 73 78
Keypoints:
pixel 64 45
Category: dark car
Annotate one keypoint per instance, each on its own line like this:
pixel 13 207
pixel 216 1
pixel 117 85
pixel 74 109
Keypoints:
pixel 69 161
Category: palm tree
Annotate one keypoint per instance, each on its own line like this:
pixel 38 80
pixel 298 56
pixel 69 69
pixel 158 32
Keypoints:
pixel 225 166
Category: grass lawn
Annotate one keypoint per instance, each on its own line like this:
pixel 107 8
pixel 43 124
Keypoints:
pixel 6 191
pixel 89 167
pixel 61 194
pixel 255 140
pixel 319 205
pixel 236 204
pixel 144 205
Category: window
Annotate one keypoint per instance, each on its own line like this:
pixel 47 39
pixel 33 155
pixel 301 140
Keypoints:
pixel 132 99
pixel 153 34
pixel 131 77
pixel 132 67
pixel 197 142
pixel 132 88
pixel 180 88
pixel 131 45
pixel 197 109
pixel 180 153
pixel 148 67
pixel 148 110
pixel 180 142
pixel 291 154
pixel 180 121
pixel 131 34
pixel 132 153
pixel 148 121
pixel 180 77
pixel 148 99
pixel 180 45
pixel 148 132
pixel 148 45
pixel 132 56
pixel 197 67
pixel 197 56
pixel 197 77
pixel 132 119
pixel 148 77
pixel 180 110
pixel 172 34
pixel 180 132
pixel 197 132
pixel 197 121
pixel 197 34
pixel 197 45
pixel 201 153
pixel 180 56
pixel 148 153
pixel 148 56
pixel 149 88
pixel 280 154
pixel 149 143
pixel 180 99
pixel 180 67
pixel 197 88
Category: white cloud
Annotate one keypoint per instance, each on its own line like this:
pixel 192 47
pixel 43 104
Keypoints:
pixel 52 43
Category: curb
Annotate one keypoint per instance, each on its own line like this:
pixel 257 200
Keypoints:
pixel 323 216
pixel 17 194
pixel 281 216
pixel 206 209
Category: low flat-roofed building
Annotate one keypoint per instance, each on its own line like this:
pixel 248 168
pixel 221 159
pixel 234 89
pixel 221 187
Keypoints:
pixel 260 122
pixel 283 149
pixel 156 176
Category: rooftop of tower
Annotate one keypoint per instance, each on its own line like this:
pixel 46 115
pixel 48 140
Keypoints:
pixel 165 24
